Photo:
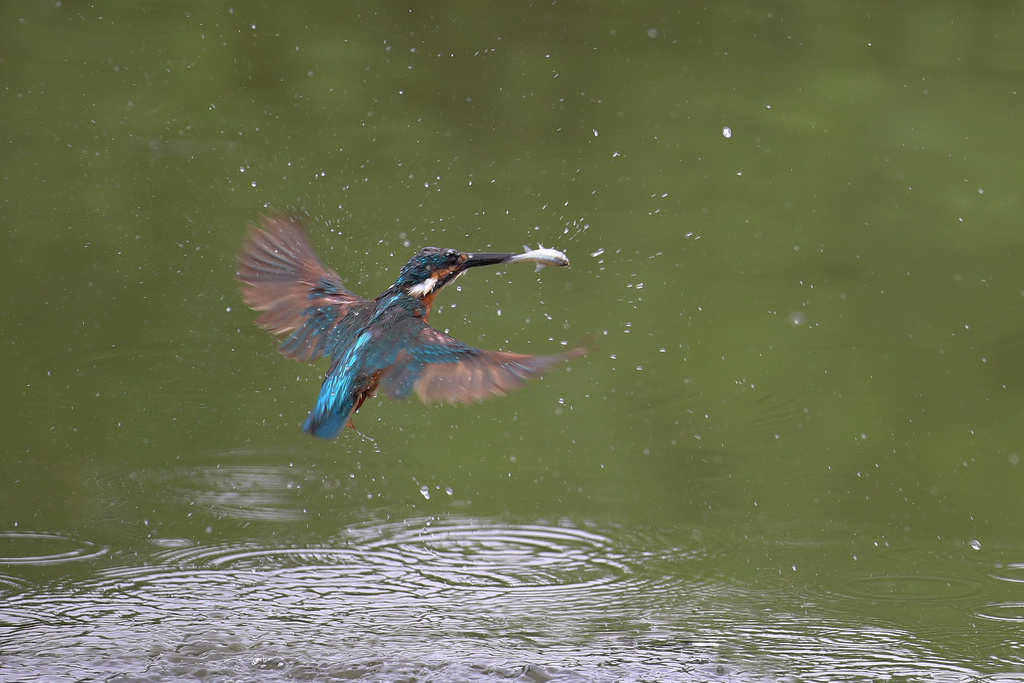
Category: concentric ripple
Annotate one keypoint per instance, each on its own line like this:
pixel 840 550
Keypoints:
pixel 914 588
pixel 397 585
pixel 888 581
pixel 459 561
pixel 547 600
pixel 41 548
pixel 1011 572
pixel 1003 611
pixel 482 554
pixel 11 583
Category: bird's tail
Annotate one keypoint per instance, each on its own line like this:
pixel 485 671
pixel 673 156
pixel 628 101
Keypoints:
pixel 325 426
pixel 334 406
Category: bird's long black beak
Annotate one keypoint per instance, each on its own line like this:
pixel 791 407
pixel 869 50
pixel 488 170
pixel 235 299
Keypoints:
pixel 485 259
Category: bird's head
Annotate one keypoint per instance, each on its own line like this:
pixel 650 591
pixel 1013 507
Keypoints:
pixel 432 268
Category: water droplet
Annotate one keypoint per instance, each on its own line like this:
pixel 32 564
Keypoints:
pixel 726 132
pixel 425 491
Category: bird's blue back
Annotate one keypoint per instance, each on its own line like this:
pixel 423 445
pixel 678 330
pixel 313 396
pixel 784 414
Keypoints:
pixel 361 345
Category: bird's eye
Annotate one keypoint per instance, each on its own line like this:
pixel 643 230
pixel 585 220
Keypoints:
pixel 451 255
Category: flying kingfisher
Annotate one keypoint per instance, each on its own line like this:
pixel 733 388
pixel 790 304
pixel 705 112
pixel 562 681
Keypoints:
pixel 385 342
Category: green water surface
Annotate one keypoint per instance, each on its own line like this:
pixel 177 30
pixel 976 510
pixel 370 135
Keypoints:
pixel 793 452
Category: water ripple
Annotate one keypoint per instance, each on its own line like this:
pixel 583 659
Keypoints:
pixel 482 554
pixel 525 602
pixel 461 559
pixel 43 548
pixel 1012 572
pixel 914 588
pixel 823 651
pixel 1003 611
pixel 8 583
pixel 889 582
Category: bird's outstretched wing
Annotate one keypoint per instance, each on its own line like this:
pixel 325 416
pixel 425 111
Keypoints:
pixel 296 293
pixel 441 368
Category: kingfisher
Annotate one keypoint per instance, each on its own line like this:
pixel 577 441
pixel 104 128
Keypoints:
pixel 386 342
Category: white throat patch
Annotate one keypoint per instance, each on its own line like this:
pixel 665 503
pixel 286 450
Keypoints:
pixel 423 288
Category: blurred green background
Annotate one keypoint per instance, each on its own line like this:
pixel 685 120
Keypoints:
pixel 795 243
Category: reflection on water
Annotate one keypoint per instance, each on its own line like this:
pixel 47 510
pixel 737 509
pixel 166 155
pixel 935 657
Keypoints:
pixel 257 492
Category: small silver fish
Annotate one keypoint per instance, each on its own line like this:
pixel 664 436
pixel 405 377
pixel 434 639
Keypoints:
pixel 542 257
